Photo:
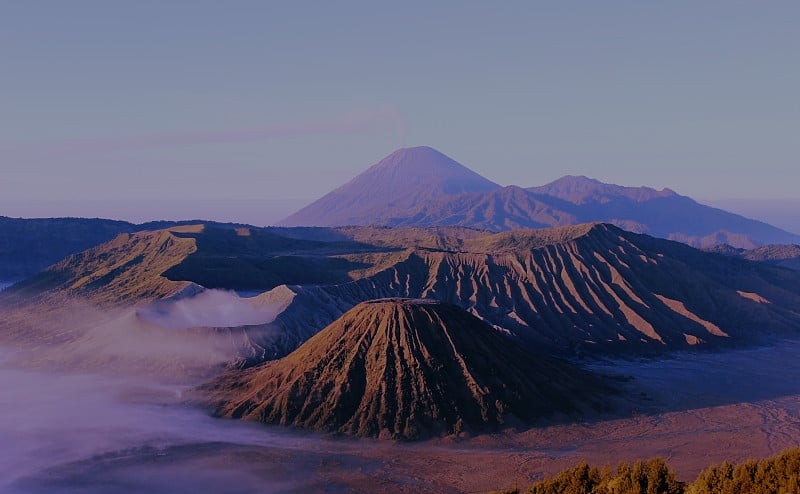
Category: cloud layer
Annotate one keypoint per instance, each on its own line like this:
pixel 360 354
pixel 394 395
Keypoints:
pixel 358 121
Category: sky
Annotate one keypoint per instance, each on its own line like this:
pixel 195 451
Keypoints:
pixel 246 110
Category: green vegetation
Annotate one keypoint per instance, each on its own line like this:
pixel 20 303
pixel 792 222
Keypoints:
pixel 779 474
pixel 648 477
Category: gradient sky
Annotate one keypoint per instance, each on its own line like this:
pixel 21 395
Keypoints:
pixel 244 110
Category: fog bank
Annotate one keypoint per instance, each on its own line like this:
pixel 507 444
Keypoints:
pixel 97 405
pixel 209 308
pixel 89 432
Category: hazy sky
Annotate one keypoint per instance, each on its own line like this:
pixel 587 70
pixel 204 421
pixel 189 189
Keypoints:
pixel 245 109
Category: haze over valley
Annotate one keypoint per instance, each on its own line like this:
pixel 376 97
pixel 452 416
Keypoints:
pixel 149 329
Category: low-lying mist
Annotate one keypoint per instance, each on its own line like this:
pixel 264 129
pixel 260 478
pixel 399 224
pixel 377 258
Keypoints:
pixel 209 308
pixel 64 432
pixel 95 401
pixel 175 340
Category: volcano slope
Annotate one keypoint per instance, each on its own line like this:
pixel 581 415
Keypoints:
pixel 28 245
pixel 85 312
pixel 150 265
pixel 404 369
pixel 591 288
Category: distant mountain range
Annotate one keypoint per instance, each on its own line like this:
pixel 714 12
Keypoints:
pixel 422 187
pixel 785 256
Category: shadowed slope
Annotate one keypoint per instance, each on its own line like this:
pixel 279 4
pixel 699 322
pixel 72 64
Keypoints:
pixel 29 245
pixel 662 213
pixel 405 368
pixel 507 208
pixel 125 270
pixel 575 200
pixel 785 256
pixel 585 288
pixel 582 288
pixel 150 265
pixel 583 190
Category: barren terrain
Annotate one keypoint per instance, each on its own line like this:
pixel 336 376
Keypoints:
pixel 100 351
pixel 91 433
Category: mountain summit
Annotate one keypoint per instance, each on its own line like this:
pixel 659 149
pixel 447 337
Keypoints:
pixel 398 183
pixel 423 187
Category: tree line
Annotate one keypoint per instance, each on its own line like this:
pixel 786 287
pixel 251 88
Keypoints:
pixel 778 474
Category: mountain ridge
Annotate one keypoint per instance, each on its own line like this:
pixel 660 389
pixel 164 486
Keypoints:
pixel 786 255
pixel 28 245
pixel 583 289
pixel 577 189
pixel 588 289
pixel 379 199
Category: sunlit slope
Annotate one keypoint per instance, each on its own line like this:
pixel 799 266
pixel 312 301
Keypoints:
pixel 124 270
pixel 405 369
pixel 150 265
pixel 583 288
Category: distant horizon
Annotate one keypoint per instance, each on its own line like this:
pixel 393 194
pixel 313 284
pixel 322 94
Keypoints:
pixel 255 212
pixel 268 211
pixel 219 102
pixel 779 212
pixel 265 212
